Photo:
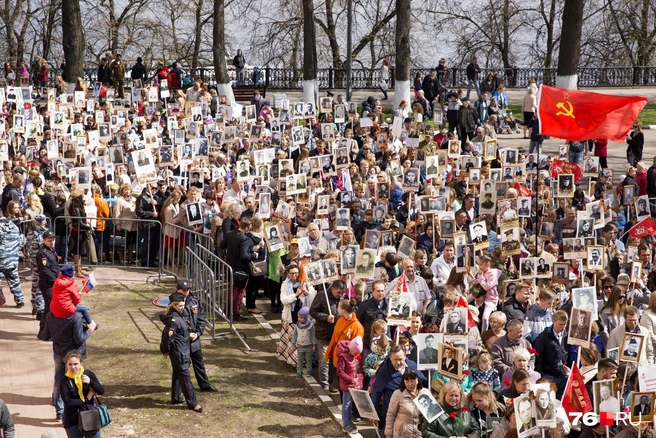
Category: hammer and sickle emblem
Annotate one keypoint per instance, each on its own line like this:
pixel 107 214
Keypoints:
pixel 567 109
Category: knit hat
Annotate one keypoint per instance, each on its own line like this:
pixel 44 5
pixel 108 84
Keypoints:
pixel 355 346
pixel 40 218
pixel 304 312
pixel 67 271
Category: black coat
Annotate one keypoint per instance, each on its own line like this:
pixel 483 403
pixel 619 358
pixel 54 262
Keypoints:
pixel 47 266
pixel 369 311
pixel 144 208
pixel 10 193
pixel 239 252
pixel 138 71
pixel 49 205
pixel 551 354
pixel 194 313
pixel 66 334
pixel 175 340
pixel 71 397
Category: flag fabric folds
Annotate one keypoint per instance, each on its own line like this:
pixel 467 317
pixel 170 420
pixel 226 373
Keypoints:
pixel 584 115
pixel 644 228
pixel 575 396
pixel 89 282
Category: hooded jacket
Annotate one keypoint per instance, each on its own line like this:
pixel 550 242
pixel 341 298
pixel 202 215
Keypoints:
pixel 348 367
pixel 65 296
pixel 345 330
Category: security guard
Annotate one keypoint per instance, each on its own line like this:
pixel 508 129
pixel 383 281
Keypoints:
pixel 195 317
pixel 48 267
pixel 176 344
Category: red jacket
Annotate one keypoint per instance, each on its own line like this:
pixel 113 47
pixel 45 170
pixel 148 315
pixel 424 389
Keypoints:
pixel 641 179
pixel 65 295
pixel 601 147
pixel 348 368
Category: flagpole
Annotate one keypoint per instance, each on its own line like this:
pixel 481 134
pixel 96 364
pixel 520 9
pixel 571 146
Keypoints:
pixel 535 191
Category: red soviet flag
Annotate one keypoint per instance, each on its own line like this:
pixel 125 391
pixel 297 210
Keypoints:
pixel 575 396
pixel 646 227
pixel 584 115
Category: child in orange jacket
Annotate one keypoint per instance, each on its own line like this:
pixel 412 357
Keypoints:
pixel 346 328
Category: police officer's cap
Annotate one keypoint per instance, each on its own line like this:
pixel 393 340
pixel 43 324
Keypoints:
pixel 48 235
pixel 183 284
pixel 176 297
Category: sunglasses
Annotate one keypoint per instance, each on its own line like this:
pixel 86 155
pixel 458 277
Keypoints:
pixel 622 297
pixel 608 287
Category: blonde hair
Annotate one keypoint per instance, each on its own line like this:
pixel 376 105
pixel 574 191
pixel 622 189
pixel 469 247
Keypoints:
pixel 379 324
pixel 232 211
pixel 448 387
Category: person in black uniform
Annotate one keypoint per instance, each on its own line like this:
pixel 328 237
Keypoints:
pixel 48 268
pixel 176 345
pixel 195 317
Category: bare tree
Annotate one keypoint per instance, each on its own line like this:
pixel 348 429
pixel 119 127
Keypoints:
pixel 219 51
pixel 73 40
pixel 570 46
pixel 402 68
pixel 310 85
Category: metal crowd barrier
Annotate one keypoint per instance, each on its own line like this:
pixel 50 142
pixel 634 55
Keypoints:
pixel 127 243
pixel 174 239
pixel 212 287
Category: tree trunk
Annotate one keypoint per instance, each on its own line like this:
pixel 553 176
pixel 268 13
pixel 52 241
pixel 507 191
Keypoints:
pixel 310 85
pixel 219 52
pixel 570 44
pixel 73 40
pixel 402 68
pixel 198 35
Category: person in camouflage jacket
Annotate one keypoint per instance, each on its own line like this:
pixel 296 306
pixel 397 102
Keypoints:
pixel 10 244
pixel 32 246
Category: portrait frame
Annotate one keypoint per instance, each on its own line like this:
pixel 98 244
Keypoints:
pixel 577 335
pixel 626 342
pixel 446 369
pixel 365 271
pixel 272 244
pixel 339 225
pixel 399 308
pixel 596 394
pixel 425 394
pixel 363 402
pixel 636 271
pixel 628 195
pixel 424 357
pixel 369 236
pixel 406 247
pixel 191 218
pixel 559 267
pixel 460 328
pixel 344 268
pixel 590 265
pixel 538 390
pixel 638 418
pixel 447 228
pixel 517 402
pixel 642 213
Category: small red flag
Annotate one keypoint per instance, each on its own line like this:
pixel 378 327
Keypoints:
pixel 565 167
pixel 463 303
pixel 583 115
pixel 646 227
pixel 576 397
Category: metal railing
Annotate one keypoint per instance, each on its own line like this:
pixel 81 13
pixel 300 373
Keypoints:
pixel 367 78
pixel 127 243
pixel 174 239
pixel 211 281
pixel 26 257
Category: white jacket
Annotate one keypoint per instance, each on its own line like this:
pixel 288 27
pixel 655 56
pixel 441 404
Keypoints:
pixel 441 270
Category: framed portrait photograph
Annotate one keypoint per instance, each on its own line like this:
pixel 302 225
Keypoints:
pixel 613 353
pixel 343 221
pixel 525 417
pixel 509 156
pixel 495 175
pixel 491 149
pixel 348 257
pixel 544 405
pixel 465 256
pixel 194 213
pixel 364 263
pixel 585 298
pixel 449 361
pixel 628 195
pixel 427 405
pixel 565 185
pixel 510 241
pixel 642 207
pixel 313 272
pixel 427 350
pixel 642 407
pixel 561 272
pixel 478 235
pixel 399 310
pixel 543 268
pixel 595 258
pixel 323 208
pixel 329 269
pixel 580 325
pixel 432 166
pixel 273 237
pixel 447 227
pixel 406 247
pixel 454 148
pixel 603 395
pixel 411 179
pixel 487 202
pixel 524 206
pixel 527 267
pixel 595 211
pixel 546 230
pixel 584 227
pixel 371 238
pixel 631 347
pixel 508 216
pixel 591 166
pixel 363 402
pixel 387 238
pixel 573 248
pixel 455 320
pixel 636 271
pixel 610 200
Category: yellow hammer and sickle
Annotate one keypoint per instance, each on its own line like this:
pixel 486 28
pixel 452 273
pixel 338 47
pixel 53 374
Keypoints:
pixel 567 109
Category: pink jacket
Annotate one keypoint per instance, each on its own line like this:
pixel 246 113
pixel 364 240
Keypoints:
pixel 641 180
pixel 348 367
pixel 490 281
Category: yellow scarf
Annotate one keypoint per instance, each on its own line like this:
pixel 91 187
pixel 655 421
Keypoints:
pixel 78 381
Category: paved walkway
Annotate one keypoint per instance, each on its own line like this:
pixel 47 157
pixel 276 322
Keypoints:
pixel 26 366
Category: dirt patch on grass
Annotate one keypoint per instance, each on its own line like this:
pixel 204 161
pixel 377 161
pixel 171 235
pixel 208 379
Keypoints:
pixel 258 395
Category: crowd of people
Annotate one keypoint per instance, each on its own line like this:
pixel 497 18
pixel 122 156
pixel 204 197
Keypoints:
pixel 397 250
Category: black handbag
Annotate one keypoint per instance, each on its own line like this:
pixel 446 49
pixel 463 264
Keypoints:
pixel 240 278
pixel 88 422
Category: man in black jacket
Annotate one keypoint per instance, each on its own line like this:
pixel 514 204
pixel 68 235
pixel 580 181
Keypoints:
pixel 239 252
pixel 195 317
pixel 12 192
pixel 473 70
pixel 66 334
pixel 47 266
pixel 104 72
pixel 551 358
pixel 139 71
pixel 651 181
pixel 324 312
pixel 517 305
pixel 146 209
pixel 431 86
pixel 370 310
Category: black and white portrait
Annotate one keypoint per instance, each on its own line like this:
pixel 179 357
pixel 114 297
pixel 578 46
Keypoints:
pixel 524 416
pixel 642 207
pixel 400 307
pixel 194 213
pixel 371 238
pixel 449 361
pixel 348 259
pixel 274 237
pixel 411 179
pixel 631 347
pixel 365 260
pixel 428 406
pixel 565 185
pixel 595 258
pixel 427 351
pixel 580 325
pixel 343 221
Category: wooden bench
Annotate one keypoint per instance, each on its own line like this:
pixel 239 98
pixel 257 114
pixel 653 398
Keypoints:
pixel 245 93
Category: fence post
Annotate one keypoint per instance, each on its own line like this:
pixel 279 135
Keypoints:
pixel 515 70
pixel 392 79
pixel 454 72
pixel 331 81
pixel 267 72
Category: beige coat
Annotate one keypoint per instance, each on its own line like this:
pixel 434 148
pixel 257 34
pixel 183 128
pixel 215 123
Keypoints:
pixel 125 209
pixel 616 339
pixel 403 416
pixel 169 216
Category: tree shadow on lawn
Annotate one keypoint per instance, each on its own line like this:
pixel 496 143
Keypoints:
pixel 309 430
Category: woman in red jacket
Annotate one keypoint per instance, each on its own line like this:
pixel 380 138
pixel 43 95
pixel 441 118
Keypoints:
pixel 641 177
pixel 601 151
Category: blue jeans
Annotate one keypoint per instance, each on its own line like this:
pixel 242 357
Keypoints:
pixel 347 401
pixel 576 157
pixel 60 371
pixel 476 86
pixel 61 247
pixel 72 432
pixel 532 146
pixel 85 313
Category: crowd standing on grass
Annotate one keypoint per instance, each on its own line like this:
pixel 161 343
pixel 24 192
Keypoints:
pixel 398 250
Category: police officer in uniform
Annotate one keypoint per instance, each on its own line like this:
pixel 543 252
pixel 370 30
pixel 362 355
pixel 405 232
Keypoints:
pixel 195 317
pixel 48 267
pixel 176 344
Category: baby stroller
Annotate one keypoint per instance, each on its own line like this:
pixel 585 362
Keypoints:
pixel 507 123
